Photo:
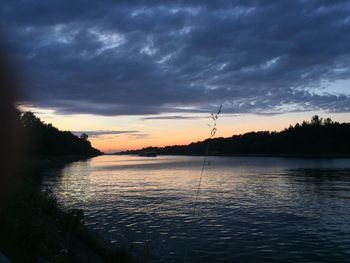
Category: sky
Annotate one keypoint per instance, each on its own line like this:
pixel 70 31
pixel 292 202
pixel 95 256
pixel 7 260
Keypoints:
pixel 138 73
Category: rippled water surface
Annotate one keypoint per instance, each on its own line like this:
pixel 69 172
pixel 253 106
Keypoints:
pixel 249 209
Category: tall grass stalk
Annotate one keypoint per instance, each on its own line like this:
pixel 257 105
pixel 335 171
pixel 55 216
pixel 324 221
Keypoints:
pixel 213 126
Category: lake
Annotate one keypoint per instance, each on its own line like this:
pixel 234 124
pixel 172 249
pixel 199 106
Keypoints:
pixel 249 209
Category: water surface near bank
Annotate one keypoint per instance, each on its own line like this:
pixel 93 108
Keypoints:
pixel 249 208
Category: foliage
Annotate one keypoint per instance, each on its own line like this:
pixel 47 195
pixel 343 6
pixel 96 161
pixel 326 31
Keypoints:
pixel 44 139
pixel 319 136
pixel 33 226
pixel 27 233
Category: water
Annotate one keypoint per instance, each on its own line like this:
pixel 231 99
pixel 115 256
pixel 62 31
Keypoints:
pixel 249 209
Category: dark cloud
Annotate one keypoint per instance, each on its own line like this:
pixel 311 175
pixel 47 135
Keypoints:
pixel 151 57
pixel 100 133
pixel 173 117
pixel 138 136
pixel 185 117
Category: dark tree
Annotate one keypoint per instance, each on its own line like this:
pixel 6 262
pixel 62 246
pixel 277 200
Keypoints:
pixel 327 121
pixel 316 137
pixel 44 139
pixel 316 120
pixel 84 137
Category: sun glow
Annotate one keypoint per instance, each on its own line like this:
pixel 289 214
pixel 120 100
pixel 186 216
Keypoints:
pixel 134 132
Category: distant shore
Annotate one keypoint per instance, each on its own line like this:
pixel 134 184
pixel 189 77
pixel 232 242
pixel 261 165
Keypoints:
pixel 319 138
pixel 281 155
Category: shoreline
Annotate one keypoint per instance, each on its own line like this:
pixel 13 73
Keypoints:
pixel 87 244
pixel 262 155
pixel 59 232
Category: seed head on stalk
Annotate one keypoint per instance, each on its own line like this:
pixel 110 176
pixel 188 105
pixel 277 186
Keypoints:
pixel 212 134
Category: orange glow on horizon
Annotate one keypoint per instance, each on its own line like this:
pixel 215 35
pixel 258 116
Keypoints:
pixel 134 132
pixel 226 127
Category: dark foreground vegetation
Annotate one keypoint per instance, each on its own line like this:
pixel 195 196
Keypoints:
pixel 319 137
pixel 33 226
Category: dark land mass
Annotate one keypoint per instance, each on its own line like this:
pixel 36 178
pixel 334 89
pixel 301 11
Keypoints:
pixel 35 227
pixel 45 140
pixel 317 138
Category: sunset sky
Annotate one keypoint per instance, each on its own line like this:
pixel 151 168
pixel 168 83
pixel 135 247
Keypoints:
pixel 138 73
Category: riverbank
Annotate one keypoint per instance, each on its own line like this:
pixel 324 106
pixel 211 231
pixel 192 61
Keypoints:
pixel 35 228
pixel 298 155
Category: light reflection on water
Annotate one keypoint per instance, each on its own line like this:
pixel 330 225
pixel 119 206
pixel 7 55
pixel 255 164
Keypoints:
pixel 249 209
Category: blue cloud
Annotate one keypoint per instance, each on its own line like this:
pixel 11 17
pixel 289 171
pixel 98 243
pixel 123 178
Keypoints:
pixel 180 56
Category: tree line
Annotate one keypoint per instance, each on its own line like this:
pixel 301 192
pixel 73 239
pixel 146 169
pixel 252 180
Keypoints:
pixel 318 136
pixel 44 139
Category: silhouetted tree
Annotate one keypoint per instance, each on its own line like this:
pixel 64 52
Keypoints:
pixel 327 121
pixel 84 137
pixel 316 120
pixel 44 139
pixel 29 120
pixel 316 137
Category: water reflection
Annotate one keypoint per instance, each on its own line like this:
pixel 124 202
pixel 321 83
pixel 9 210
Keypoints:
pixel 249 209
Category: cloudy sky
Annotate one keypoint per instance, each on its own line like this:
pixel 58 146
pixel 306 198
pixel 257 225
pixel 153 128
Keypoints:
pixel 138 73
